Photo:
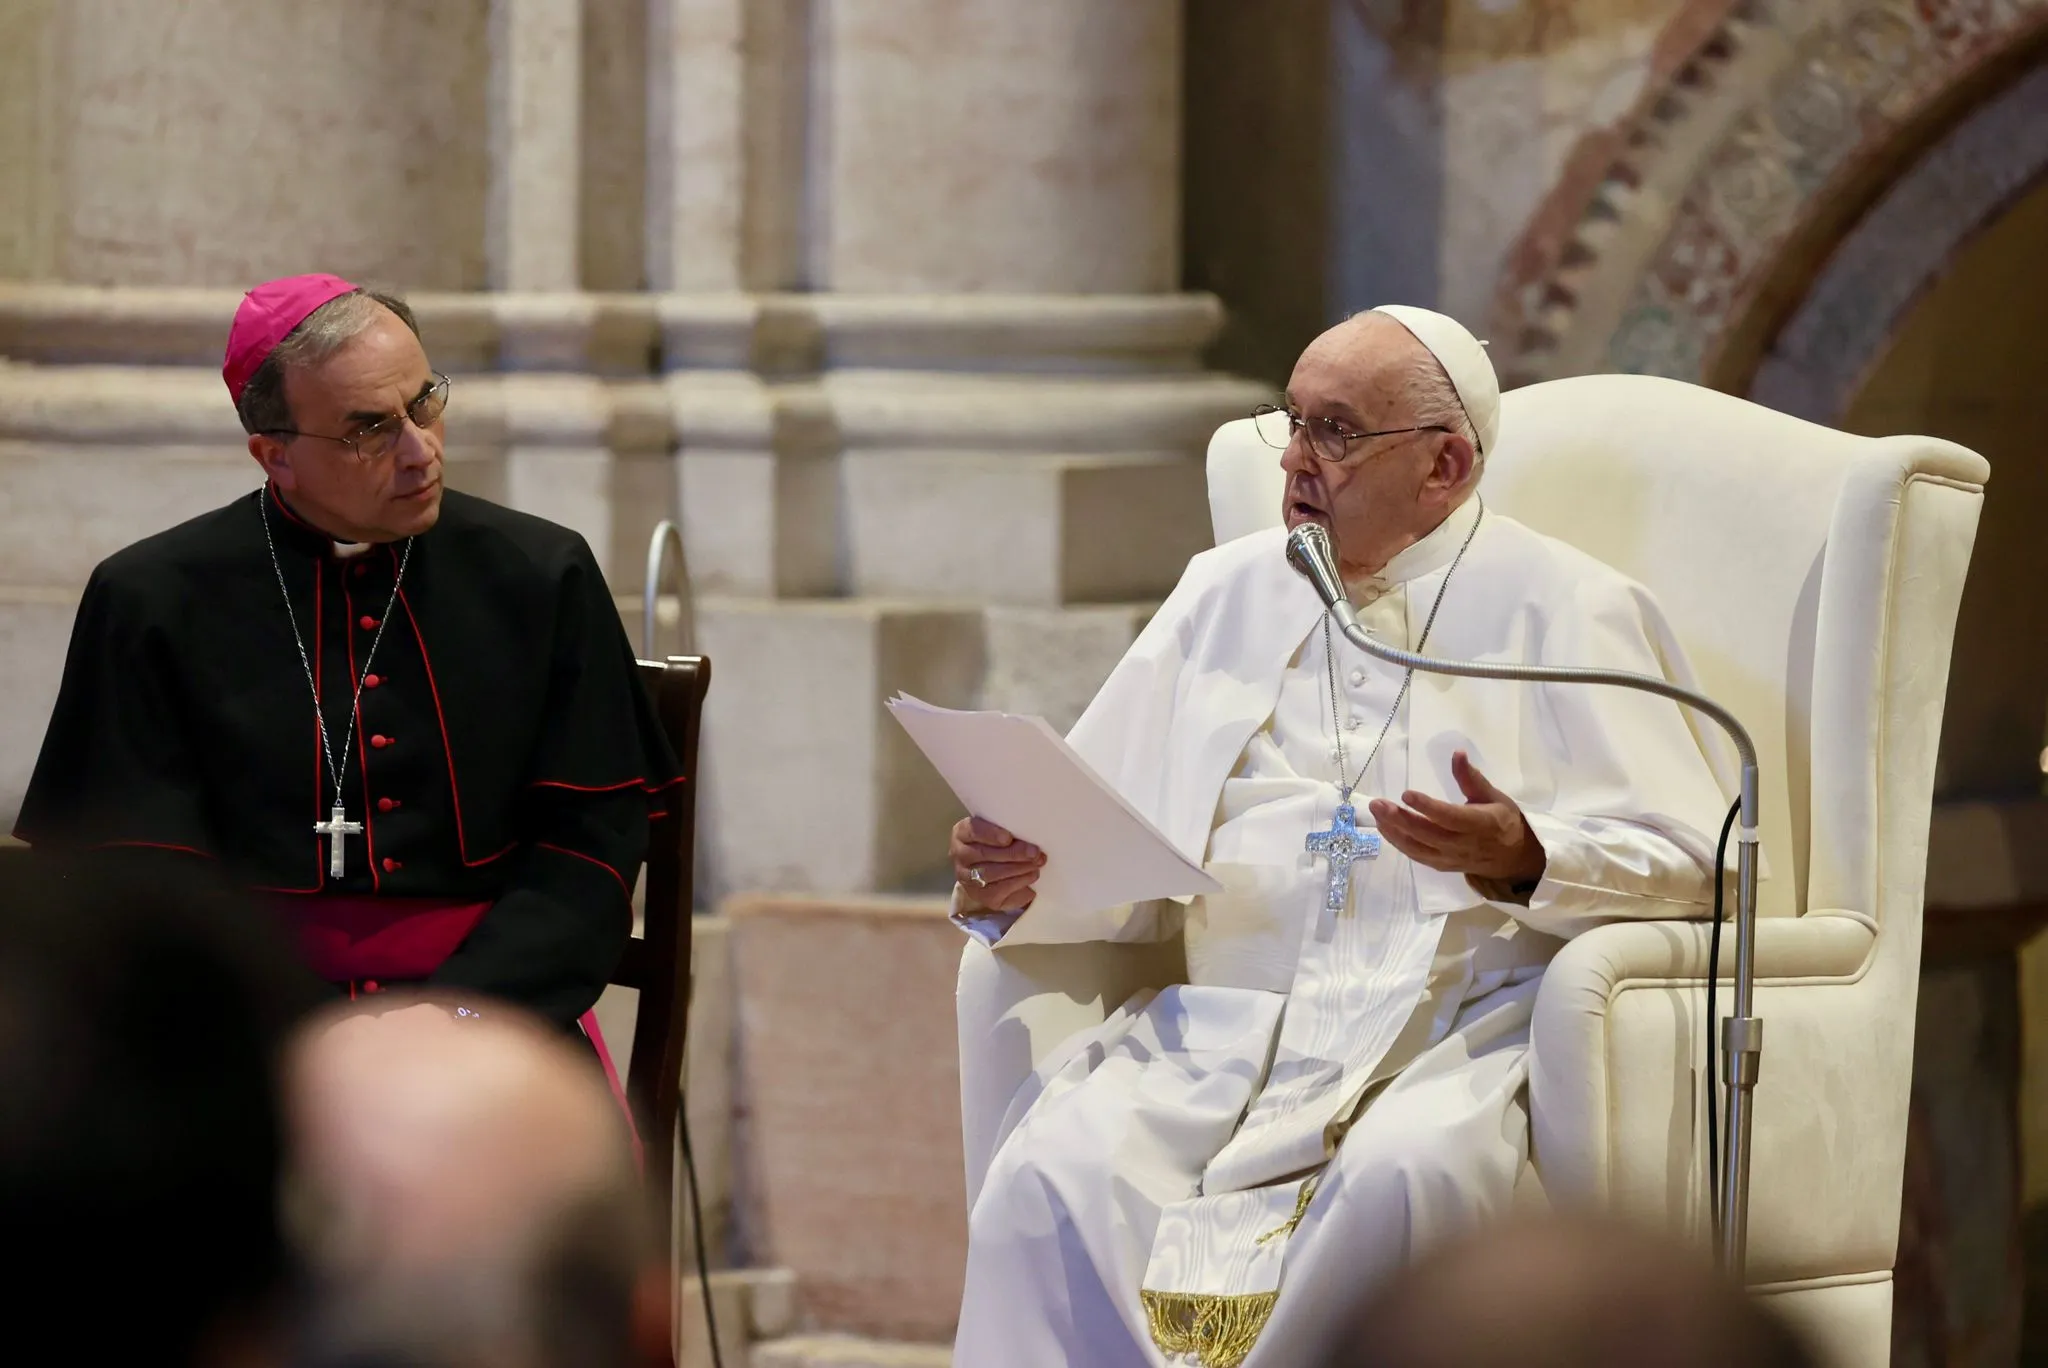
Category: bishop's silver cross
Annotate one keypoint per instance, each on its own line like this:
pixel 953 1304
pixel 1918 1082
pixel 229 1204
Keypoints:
pixel 337 826
pixel 1340 845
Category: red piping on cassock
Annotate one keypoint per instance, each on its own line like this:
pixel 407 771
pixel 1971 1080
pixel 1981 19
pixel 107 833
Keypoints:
pixel 651 789
pixel 156 845
pixel 616 877
pixel 454 790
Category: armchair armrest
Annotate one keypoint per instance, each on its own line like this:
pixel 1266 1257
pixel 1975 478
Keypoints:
pixel 1615 1006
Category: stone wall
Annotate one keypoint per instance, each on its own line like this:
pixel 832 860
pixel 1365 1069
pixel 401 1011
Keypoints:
pixel 223 143
pixel 1348 153
pixel 977 145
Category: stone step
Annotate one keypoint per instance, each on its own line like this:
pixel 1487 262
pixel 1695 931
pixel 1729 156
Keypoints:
pixel 856 1179
pixel 845 1351
pixel 757 1316
pixel 1011 528
pixel 809 785
pixel 752 1305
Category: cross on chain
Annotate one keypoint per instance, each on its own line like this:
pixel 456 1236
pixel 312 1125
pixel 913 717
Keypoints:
pixel 338 826
pixel 1342 844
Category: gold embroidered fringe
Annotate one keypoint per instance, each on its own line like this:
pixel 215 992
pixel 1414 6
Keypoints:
pixel 1301 1201
pixel 1215 1330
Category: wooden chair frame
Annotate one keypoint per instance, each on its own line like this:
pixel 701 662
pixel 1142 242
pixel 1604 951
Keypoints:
pixel 657 962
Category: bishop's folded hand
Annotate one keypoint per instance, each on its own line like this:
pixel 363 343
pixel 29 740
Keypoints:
pixel 1484 837
pixel 996 871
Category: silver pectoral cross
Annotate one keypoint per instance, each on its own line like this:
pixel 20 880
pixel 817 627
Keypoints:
pixel 1340 845
pixel 335 828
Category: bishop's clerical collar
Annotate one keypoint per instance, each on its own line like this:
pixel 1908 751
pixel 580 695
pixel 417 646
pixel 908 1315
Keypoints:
pixel 296 532
pixel 1438 548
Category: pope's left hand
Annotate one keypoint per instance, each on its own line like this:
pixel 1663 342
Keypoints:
pixel 1485 837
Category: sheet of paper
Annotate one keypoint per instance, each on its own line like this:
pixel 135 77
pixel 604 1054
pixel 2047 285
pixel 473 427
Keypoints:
pixel 1100 852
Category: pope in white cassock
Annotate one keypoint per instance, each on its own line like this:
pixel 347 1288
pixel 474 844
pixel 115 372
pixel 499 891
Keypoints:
pixel 1214 1174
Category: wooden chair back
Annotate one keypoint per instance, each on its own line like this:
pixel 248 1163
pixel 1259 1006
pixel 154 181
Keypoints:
pixel 657 961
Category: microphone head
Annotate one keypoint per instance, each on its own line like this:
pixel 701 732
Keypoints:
pixel 1310 553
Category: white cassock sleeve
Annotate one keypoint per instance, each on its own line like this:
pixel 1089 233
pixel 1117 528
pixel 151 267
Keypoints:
pixel 1629 823
pixel 1123 734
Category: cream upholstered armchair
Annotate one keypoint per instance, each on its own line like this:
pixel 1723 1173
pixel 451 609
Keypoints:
pixel 1813 578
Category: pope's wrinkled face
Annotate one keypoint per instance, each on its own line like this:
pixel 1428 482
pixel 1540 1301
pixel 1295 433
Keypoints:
pixel 1350 468
pixel 352 493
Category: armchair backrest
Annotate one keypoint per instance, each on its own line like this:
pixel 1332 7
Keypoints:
pixel 1811 576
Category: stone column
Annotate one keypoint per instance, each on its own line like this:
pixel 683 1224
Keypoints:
pixel 993 184
pixel 536 98
pixel 28 40
pixel 978 378
pixel 726 85
pixel 556 462
pixel 987 146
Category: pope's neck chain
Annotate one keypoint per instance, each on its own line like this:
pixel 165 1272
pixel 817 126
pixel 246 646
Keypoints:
pixel 1330 665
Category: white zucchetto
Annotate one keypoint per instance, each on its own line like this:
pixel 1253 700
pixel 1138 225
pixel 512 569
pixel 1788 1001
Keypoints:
pixel 1463 358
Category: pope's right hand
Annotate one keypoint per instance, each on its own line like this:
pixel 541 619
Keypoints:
pixel 997 872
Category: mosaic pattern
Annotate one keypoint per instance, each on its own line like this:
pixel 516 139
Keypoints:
pixel 1586 237
pixel 1687 259
pixel 1849 88
pixel 1857 302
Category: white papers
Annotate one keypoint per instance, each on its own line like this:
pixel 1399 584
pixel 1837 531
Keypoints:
pixel 1100 852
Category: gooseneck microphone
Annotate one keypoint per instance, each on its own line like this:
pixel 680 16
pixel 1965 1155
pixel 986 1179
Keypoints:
pixel 1310 552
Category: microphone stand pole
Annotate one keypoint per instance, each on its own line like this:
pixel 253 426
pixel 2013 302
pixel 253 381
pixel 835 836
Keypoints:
pixel 1742 1033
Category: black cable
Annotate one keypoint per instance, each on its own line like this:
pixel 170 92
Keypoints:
pixel 697 1230
pixel 1713 1027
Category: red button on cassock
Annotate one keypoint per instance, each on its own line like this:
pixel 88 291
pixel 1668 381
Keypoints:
pixel 372 681
pixel 387 804
pixel 380 742
pixel 371 986
pixel 367 623
pixel 362 570
pixel 391 864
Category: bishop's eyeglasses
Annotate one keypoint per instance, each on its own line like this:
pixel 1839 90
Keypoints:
pixel 379 439
pixel 1329 439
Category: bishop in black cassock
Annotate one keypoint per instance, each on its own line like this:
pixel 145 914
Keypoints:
pixel 494 758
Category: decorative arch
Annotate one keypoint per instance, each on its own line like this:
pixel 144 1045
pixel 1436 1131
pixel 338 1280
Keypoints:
pixel 1818 360
pixel 1740 172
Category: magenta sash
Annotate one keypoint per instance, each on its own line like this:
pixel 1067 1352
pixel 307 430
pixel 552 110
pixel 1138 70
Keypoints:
pixel 352 940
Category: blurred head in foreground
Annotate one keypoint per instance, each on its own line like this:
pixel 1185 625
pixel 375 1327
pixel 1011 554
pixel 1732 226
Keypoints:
pixel 1563 1293
pixel 465 1195
pixel 140 1136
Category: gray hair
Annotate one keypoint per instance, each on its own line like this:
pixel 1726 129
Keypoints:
pixel 322 333
pixel 1433 400
pixel 1431 397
